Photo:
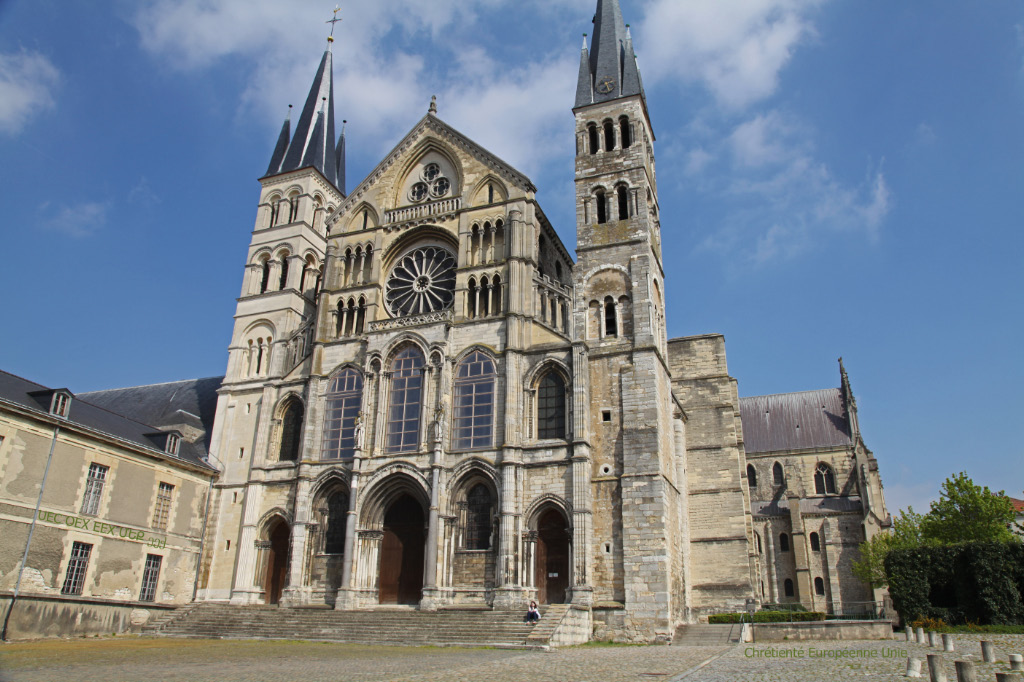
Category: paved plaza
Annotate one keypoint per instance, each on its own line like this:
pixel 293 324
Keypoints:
pixel 144 659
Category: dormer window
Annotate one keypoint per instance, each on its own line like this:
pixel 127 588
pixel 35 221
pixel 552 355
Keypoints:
pixel 60 404
pixel 173 441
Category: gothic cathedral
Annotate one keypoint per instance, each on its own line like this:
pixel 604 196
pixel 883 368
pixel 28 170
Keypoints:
pixel 429 401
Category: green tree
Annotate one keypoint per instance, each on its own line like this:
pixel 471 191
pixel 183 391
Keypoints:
pixel 905 534
pixel 968 512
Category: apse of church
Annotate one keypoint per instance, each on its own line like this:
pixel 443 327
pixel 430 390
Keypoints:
pixel 429 402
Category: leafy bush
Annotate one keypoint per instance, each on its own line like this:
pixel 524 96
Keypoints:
pixel 980 582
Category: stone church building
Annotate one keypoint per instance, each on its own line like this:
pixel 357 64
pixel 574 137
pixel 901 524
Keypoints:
pixel 429 401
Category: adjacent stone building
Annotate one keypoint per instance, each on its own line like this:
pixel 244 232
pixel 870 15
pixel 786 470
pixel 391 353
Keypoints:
pixel 429 401
pixel 101 515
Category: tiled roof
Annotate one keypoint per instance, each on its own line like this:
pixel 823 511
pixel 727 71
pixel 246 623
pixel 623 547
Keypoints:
pixel 177 403
pixel 1017 504
pixel 794 421
pixel 84 413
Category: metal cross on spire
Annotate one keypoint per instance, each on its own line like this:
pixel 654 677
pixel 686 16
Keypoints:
pixel 332 22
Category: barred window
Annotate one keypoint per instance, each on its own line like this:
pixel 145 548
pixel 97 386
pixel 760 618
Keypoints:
pixel 551 407
pixel 74 579
pixel 824 480
pixel 94 489
pixel 474 402
pixel 406 399
pixel 150 576
pixel 344 398
pixel 478 518
pixel 162 511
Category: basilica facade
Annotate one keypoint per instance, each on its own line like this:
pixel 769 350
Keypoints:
pixel 430 401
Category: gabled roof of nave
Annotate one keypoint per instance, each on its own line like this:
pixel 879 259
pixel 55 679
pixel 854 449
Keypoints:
pixel 795 421
pixel 431 126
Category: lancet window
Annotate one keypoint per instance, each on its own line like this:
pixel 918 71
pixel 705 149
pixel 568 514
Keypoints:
pixel 474 402
pixel 344 398
pixel 403 419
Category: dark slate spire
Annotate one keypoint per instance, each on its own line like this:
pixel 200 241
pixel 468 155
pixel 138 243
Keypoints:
pixel 282 144
pixel 584 84
pixel 313 141
pixel 340 159
pixel 612 69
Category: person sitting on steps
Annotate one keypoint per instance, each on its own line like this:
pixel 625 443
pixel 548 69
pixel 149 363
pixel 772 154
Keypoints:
pixel 532 614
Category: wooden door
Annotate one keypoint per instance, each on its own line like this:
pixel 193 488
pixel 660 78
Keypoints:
pixel 401 553
pixel 552 558
pixel 277 563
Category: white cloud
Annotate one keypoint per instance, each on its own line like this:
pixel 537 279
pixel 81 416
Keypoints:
pixel 79 220
pixel 27 80
pixel 779 200
pixel 736 48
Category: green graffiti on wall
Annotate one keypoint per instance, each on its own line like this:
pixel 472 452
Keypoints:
pixel 102 528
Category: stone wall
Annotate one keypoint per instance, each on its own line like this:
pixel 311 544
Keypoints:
pixel 36 616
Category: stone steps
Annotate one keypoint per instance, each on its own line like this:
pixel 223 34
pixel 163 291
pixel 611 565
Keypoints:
pixel 472 627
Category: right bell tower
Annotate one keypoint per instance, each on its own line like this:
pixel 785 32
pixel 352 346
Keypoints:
pixel 634 428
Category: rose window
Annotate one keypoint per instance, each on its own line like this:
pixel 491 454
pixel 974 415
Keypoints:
pixel 422 281
pixel 431 185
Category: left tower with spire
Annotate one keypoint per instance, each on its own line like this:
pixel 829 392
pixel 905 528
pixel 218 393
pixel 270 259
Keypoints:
pixel 261 403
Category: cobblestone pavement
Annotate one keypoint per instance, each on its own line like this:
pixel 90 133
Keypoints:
pixel 141 659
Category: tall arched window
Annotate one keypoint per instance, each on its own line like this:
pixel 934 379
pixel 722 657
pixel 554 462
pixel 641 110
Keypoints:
pixel 824 480
pixel 609 136
pixel 815 543
pixel 788 587
pixel 611 326
pixel 334 534
pixel 778 477
pixel 344 397
pixel 291 429
pixel 496 295
pixel 471 296
pixel 757 543
pixel 819 586
pixel 551 407
pixel 783 542
pixel 592 137
pixel 478 518
pixel 265 275
pixel 751 476
pixel 602 207
pixel 406 401
pixel 474 402
pixel 623 200
pixel 283 283
pixel 624 132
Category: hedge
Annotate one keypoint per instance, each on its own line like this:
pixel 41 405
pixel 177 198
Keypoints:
pixel 767 617
pixel 973 582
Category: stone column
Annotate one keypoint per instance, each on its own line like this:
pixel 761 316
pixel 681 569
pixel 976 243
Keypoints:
pixel 292 593
pixel 508 594
pixel 245 591
pixel 347 598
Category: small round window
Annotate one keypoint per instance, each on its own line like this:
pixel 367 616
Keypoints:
pixel 440 187
pixel 418 192
pixel 432 184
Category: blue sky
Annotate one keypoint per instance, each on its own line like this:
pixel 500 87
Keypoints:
pixel 835 178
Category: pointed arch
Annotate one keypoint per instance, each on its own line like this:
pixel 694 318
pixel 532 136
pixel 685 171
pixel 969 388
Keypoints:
pixel 342 407
pixel 405 400
pixel 291 411
pixel 418 157
pixel 385 486
pixel 490 189
pixel 824 480
pixel 474 404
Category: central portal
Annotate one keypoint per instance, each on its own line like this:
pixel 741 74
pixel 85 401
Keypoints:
pixel 401 553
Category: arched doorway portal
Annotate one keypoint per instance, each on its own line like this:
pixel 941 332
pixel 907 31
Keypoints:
pixel 552 564
pixel 401 553
pixel 276 573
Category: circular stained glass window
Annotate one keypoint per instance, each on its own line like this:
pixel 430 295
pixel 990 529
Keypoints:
pixel 440 187
pixel 419 191
pixel 422 281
